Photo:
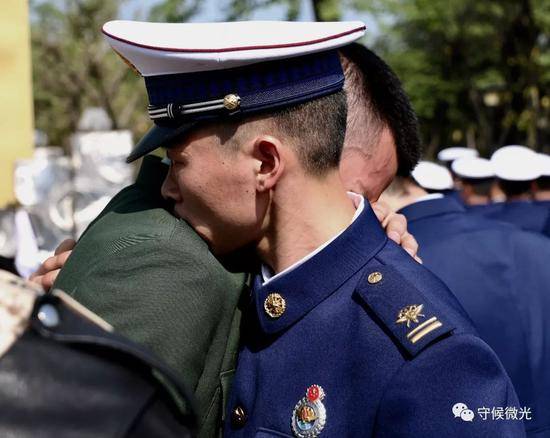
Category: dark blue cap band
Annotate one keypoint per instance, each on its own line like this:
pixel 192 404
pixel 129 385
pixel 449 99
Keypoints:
pixel 263 86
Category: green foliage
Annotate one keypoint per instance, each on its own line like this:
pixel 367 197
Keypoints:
pixel 174 11
pixel 242 9
pixel 475 71
pixel 74 68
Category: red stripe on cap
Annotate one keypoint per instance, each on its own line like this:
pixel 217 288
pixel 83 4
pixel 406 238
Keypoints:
pixel 236 49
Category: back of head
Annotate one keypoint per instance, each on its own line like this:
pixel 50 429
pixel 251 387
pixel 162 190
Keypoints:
pixel 376 99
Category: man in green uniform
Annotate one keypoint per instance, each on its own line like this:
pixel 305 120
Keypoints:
pixel 152 277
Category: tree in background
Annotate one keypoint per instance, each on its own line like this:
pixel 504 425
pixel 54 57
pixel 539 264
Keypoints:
pixel 477 72
pixel 74 68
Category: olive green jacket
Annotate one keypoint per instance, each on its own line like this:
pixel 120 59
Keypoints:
pixel 153 278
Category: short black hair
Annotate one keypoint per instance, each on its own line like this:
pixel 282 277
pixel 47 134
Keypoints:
pixel 315 128
pixel 318 128
pixel 543 182
pixel 383 95
pixel 515 188
pixel 480 186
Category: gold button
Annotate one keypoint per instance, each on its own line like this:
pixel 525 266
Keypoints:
pixel 238 417
pixel 374 277
pixel 275 305
pixel 231 102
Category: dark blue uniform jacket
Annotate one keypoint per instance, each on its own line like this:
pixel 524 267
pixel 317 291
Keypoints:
pixel 341 331
pixel 527 215
pixel 501 275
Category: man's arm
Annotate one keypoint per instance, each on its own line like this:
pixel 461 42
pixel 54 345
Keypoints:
pixel 395 225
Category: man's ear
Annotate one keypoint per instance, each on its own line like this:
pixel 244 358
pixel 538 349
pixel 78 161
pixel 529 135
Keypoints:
pixel 268 152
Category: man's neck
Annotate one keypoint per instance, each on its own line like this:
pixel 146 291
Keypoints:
pixel 542 195
pixel 301 221
pixel 477 200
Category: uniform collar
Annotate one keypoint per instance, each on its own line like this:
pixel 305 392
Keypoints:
pixel 307 285
pixel 431 207
pixel 267 273
pixel 430 196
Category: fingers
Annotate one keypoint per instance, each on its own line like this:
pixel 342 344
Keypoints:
pixel 381 210
pixel 49 269
pixel 409 244
pixel 395 225
pixel 46 280
pixel 66 245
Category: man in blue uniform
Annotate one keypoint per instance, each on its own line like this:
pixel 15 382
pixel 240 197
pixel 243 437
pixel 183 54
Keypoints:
pixel 448 156
pixel 500 275
pixel 477 177
pixel 516 168
pixel 345 335
pixel 541 189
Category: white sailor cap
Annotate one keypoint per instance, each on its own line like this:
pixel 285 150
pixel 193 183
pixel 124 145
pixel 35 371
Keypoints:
pixel 473 168
pixel 544 165
pixel 207 71
pixel 432 176
pixel 516 163
pixel 456 152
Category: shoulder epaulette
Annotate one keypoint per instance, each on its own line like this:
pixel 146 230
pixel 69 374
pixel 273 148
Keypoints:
pixel 412 320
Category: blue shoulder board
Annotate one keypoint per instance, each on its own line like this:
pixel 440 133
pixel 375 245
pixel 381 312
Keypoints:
pixel 412 321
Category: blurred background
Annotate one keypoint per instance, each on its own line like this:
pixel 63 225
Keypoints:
pixel 477 73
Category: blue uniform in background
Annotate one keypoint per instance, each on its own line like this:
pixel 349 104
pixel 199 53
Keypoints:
pixel 527 215
pixel 501 275
pixel 366 342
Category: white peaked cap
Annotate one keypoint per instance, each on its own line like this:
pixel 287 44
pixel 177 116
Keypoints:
pixel 432 176
pixel 169 48
pixel 454 153
pixel 473 168
pixel 544 166
pixel 516 163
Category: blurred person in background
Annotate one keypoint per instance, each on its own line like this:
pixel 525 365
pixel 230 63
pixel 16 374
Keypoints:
pixel 498 273
pixel 477 178
pixel 541 187
pixel 447 156
pixel 516 169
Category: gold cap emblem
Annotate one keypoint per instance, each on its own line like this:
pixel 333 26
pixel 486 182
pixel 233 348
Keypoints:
pixel 231 102
pixel 410 314
pixel 274 305
pixel 374 277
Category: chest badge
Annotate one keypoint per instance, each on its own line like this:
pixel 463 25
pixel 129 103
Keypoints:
pixel 309 415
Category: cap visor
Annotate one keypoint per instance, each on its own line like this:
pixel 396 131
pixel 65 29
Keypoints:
pixel 156 137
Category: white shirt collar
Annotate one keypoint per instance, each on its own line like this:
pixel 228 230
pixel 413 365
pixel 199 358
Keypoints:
pixel 429 197
pixel 267 272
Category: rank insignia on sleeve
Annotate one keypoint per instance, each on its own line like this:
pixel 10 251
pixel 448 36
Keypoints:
pixel 309 415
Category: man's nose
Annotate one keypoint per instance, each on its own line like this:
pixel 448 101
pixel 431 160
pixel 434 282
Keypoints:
pixel 169 189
